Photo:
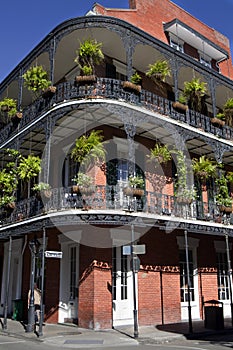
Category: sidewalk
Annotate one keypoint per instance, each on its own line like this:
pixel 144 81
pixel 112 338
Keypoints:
pixel 70 335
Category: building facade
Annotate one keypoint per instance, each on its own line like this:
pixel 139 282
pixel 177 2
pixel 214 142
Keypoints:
pixel 101 255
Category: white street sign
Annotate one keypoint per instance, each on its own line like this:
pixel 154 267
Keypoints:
pixel 137 249
pixel 53 254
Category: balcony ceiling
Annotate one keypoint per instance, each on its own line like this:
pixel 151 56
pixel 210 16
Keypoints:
pixel 96 114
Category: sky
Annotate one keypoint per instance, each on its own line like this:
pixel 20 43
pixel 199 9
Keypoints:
pixel 23 24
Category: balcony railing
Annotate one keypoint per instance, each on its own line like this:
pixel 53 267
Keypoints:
pixel 111 198
pixel 112 89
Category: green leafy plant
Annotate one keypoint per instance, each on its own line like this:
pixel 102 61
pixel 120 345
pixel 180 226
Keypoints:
pixel 204 168
pixel 136 181
pixel 89 54
pixel 28 168
pixel 194 91
pixel 41 186
pixel 160 154
pixel 159 70
pixel 7 200
pixel 89 149
pixel 36 79
pixel 228 111
pixel 9 105
pixel 182 99
pixel 136 78
pixel 184 192
pixel 82 179
pixel 222 196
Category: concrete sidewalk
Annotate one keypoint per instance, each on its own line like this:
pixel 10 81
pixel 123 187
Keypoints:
pixel 76 337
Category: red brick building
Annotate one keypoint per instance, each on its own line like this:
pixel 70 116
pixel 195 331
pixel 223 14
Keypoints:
pixel 78 246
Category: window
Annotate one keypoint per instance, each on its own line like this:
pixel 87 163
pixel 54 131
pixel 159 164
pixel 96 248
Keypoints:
pixel 223 280
pixel 176 45
pixel 120 271
pixel 205 61
pixel 184 276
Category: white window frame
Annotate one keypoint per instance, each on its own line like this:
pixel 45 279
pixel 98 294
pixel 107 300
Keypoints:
pixel 176 43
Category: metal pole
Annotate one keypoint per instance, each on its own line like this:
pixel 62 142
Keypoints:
pixel 7 285
pixel 31 307
pixel 135 312
pixel 188 282
pixel 229 275
pixel 42 287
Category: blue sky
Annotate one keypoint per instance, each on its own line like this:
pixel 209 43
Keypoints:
pixel 24 23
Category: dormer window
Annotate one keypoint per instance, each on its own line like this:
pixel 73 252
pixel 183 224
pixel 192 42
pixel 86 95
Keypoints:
pixel 205 60
pixel 177 46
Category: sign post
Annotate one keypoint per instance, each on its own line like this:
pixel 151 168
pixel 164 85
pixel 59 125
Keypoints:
pixel 135 266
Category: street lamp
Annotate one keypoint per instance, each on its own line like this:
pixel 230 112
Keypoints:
pixel 33 246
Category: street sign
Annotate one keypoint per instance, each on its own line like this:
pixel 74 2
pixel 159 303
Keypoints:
pixel 137 249
pixel 53 254
pixel 135 264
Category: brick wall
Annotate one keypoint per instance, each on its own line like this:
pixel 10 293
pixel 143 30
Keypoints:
pixel 142 15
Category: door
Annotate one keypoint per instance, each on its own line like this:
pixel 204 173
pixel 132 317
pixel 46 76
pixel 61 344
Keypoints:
pixel 68 303
pixel 122 291
pixel 193 290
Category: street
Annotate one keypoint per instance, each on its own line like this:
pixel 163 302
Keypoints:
pixel 209 343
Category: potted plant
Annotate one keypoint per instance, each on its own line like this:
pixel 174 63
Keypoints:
pixel 181 104
pixel 9 106
pixel 88 56
pixel 136 186
pixel 228 111
pixel 36 80
pixel 204 168
pixel 218 120
pixel 160 154
pixel 222 197
pixel 7 202
pixel 89 149
pixel 28 168
pixel 83 184
pixel 42 190
pixel 134 84
pixel 158 71
pixel 184 193
pixel 195 91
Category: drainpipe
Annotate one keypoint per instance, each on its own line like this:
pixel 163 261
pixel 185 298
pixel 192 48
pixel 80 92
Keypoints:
pixel 188 281
pixel 7 285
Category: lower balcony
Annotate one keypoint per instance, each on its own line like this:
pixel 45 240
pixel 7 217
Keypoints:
pixel 114 199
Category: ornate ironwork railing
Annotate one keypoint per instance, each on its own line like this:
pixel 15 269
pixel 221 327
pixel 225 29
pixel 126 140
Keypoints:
pixel 113 89
pixel 109 198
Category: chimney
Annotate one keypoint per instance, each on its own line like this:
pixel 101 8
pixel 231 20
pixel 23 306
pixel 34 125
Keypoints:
pixel 132 4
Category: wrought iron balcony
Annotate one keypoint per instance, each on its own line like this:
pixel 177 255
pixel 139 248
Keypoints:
pixel 113 89
pixel 105 198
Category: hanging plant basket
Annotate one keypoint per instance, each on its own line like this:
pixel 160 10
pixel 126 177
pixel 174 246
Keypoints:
pixel 133 192
pixel 180 106
pixel 224 209
pixel 49 92
pixel 10 206
pixel 86 79
pixel 217 122
pixel 86 190
pixel 131 87
pixel 183 200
